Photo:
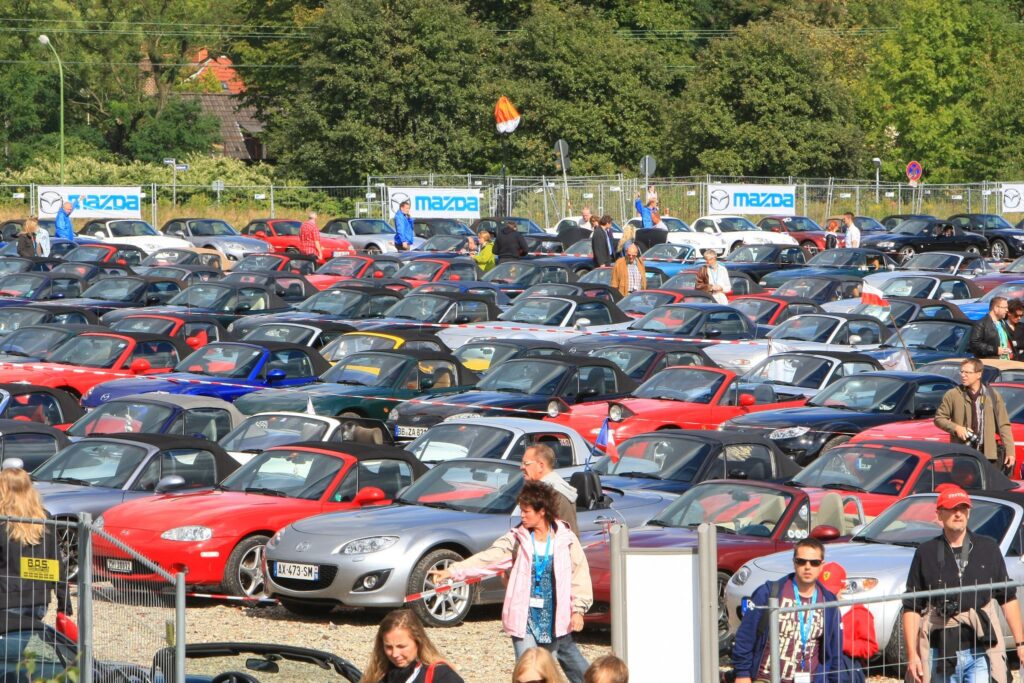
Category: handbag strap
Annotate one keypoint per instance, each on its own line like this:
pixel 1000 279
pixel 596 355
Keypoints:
pixel 430 671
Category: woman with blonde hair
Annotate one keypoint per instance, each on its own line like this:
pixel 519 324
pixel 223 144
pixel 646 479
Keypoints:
pixel 23 540
pixel 537 666
pixel 628 238
pixel 403 653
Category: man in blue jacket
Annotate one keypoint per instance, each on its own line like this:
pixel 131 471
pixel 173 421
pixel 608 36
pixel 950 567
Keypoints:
pixel 810 642
pixel 65 230
pixel 645 211
pixel 404 234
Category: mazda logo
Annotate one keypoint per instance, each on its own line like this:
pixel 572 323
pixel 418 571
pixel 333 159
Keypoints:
pixel 49 202
pixel 719 200
pixel 1011 199
pixel 302 547
pixel 396 199
pixel 105 397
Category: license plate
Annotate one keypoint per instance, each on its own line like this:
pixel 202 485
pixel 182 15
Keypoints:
pixel 411 432
pixel 291 570
pixel 119 566
pixel 340 252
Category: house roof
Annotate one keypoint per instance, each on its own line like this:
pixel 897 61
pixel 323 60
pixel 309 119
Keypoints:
pixel 236 120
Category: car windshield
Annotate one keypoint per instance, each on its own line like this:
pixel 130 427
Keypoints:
pixel 675 224
pixel 286 228
pixel 120 289
pixel 260 432
pixel 675 458
pixel 581 248
pixel 489 488
pixel 93 463
pixel 143 324
pixel 736 224
pixel 1010 290
pixel 898 311
pixel 805 287
pixel 123 417
pixel 670 252
pixel 515 273
pixel 754 254
pixel 166 257
pixel 800 224
pixel 20 284
pixel 863 394
pixel 912 521
pixel 294 473
pixel 937 336
pixel 758 310
pixel 354 342
pixel 807 372
pixel 1015 267
pixel 689 385
pixel 733 508
pixel 419 270
pixel 342 266
pixel 839 258
pixel 13 318
pixel 538 311
pixel 90 350
pixel 33 342
pixel 913 226
pixel 443 227
pixel 632 360
pixel 280 332
pixel 452 441
pixel 131 229
pixel 234 361
pixel 367 370
pixel 644 301
pixel 912 287
pixel 669 320
pixel 208 296
pixel 344 303
pixel 427 308
pixel 479 356
pixel 527 376
pixel 444 243
pixel 808 328
pixel 366 226
pixel 87 254
pixel 935 261
pixel 211 228
pixel 258 262
pixel 871 470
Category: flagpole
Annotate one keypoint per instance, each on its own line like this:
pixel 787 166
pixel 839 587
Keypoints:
pixel 906 350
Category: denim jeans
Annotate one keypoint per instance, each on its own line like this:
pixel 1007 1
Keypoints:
pixel 565 651
pixel 971 667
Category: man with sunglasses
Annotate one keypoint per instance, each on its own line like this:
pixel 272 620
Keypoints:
pixel 810 642
pixel 975 414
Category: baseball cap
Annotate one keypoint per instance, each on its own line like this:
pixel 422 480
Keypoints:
pixel 833 577
pixel 950 496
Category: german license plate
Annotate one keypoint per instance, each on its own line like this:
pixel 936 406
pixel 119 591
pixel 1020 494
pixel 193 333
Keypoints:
pixel 292 570
pixel 119 566
pixel 410 432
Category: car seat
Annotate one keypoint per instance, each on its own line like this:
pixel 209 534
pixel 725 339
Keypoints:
pixel 443 379
pixel 764 394
pixel 589 495
pixel 830 513
pixel 592 382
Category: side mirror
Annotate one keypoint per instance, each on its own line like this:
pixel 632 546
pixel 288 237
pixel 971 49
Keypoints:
pixel 825 532
pixel 369 495
pixel 946 296
pixel 276 375
pixel 122 262
pixel 261 234
pixel 855 339
pixel 171 482
pixel 178 233
pixel 455 277
pixel 152 299
pixel 709 231
pixel 193 342
pixel 712 332
pixel 243 308
pixel 140 366
pixel 378 274
pixel 426 383
pixel 925 411
pixel 582 323
pixel 747 400
pixel 462 320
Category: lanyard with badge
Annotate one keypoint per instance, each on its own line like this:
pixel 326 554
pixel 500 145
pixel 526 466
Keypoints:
pixel 540 566
pixel 805 620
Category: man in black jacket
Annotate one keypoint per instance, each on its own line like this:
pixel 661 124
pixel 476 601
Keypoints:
pixel 601 242
pixel 990 337
pixel 509 243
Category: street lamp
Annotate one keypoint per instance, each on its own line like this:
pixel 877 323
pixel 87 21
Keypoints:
pixel 45 40
pixel 878 168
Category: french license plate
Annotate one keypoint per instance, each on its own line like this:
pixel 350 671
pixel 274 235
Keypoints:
pixel 291 570
pixel 411 432
pixel 119 566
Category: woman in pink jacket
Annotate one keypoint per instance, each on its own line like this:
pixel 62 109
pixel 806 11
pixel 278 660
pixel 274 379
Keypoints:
pixel 549 586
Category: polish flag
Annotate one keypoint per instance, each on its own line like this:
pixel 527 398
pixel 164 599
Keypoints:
pixel 506 116
pixel 873 296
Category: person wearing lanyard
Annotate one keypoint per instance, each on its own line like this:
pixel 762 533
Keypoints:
pixel 403 653
pixel 810 641
pixel 549 587
pixel 713 278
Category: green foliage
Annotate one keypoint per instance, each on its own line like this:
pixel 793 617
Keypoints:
pixel 180 129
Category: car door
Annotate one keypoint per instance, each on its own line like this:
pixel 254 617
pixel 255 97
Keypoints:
pixel 729 324
pixel 386 474
pixel 161 355
pixel 953 290
pixel 160 292
pixel 196 466
pixel 297 366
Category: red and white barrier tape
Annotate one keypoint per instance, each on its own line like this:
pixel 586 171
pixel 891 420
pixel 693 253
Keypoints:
pixel 447 588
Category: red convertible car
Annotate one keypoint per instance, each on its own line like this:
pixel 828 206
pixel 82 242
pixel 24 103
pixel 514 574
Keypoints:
pixel 283 237
pixel 350 267
pixel 218 536
pixel 82 362
pixel 420 271
pixel 684 397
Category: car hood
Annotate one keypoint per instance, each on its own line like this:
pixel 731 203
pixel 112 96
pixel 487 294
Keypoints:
pixel 206 508
pixel 151 243
pixel 804 417
pixel 172 383
pixel 296 400
pixel 455 403
pixel 393 519
pixel 858 559
pixel 63 498
pixel 776 278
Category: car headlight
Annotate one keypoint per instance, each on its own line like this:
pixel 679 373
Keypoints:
pixel 231 327
pixel 370 544
pixel 392 416
pixel 740 577
pixel 554 407
pixel 461 416
pixel 618 412
pixel 274 541
pixel 98 522
pixel 860 584
pixel 886 245
pixel 789 432
pixel 188 533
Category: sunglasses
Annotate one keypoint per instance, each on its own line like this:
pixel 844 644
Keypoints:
pixel 539 680
pixel 801 561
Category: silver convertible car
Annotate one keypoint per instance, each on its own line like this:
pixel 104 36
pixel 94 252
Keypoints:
pixel 877 558
pixel 375 557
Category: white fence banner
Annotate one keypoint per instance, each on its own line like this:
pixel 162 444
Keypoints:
pixel 761 200
pixel 460 203
pixel 91 201
pixel 1013 197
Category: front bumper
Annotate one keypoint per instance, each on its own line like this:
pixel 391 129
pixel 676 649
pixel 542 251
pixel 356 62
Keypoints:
pixel 340 575
pixel 202 562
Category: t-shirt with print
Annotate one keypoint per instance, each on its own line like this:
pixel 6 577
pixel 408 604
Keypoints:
pixel 790 642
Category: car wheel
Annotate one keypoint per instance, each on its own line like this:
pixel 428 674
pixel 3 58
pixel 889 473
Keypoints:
pixel 833 442
pixel 447 609
pixel 723 612
pixel 580 272
pixel 307 609
pixel 349 413
pixel 896 649
pixel 291 251
pixel 809 247
pixel 998 250
pixel 243 574
pixel 906 253
pixel 67 541
pixel 372 249
pixel 973 250
pixel 735 246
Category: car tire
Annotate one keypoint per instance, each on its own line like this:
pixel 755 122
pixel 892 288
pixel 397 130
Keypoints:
pixel 373 250
pixel 895 652
pixel 833 442
pixel 306 609
pixel 67 543
pixel 809 247
pixel 243 572
pixel 291 251
pixel 999 250
pixel 580 272
pixel 906 253
pixel 734 247
pixel 723 612
pixel 448 609
pixel 349 413
pixel 973 250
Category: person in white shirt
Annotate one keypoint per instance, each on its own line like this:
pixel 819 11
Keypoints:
pixel 656 219
pixel 42 241
pixel 713 278
pixel 584 221
pixel 852 231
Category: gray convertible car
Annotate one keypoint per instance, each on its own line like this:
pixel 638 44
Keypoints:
pixel 215 234
pixel 374 558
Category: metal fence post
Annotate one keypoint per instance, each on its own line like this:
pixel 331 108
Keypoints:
pixel 775 658
pixel 85 627
pixel 179 627
pixel 154 211
pixel 272 200
pixel 707 567
pixel 618 541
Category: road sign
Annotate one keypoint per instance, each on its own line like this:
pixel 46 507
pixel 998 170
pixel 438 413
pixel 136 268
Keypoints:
pixel 914 171
pixel 170 162
pixel 647 166
pixel 217 185
pixel 181 167
pixel 562 150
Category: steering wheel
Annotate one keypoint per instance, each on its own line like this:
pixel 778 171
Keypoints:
pixel 234 677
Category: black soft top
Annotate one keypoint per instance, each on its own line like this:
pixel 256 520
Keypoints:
pixel 359 452
pixel 225 464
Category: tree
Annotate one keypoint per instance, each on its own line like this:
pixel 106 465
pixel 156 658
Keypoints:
pixel 180 129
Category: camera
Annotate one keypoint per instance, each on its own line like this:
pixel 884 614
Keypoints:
pixel 948 607
pixel 973 439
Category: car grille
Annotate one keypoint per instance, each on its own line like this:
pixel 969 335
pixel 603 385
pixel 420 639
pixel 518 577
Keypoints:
pixel 326 578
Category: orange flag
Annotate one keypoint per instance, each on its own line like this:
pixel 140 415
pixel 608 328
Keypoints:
pixel 506 116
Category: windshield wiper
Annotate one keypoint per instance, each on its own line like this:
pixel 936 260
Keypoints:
pixel 437 506
pixel 509 390
pixel 658 522
pixel 844 487
pixel 351 382
pixel 71 480
pixel 794 482
pixel 638 475
pixel 265 491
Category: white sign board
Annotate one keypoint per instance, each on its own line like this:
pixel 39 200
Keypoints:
pixel 749 200
pixel 460 203
pixel 91 201
pixel 1013 197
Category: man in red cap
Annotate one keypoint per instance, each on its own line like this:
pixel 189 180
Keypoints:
pixel 957 636
pixel 859 643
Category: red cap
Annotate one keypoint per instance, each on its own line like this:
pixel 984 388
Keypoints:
pixel 833 577
pixel 951 495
